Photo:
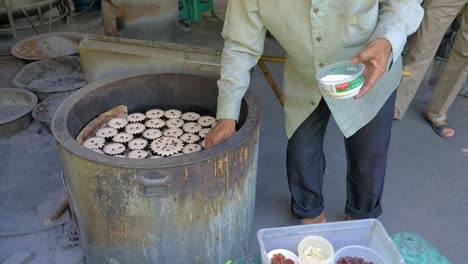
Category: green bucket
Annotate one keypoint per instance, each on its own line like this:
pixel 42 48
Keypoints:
pixel 81 5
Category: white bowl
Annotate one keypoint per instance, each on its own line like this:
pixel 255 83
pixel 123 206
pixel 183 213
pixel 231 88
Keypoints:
pixel 317 242
pixel 359 252
pixel 288 254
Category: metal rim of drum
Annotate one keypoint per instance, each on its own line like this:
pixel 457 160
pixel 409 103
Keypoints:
pixel 29 109
pixel 64 138
pixel 73 87
pixel 67 35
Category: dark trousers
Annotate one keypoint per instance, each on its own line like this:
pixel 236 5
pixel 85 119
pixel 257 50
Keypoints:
pixel 366 153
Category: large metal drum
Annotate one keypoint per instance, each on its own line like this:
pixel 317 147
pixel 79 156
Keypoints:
pixel 194 208
pixel 140 19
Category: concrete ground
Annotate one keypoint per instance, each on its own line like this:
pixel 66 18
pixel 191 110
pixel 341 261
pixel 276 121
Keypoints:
pixel 425 187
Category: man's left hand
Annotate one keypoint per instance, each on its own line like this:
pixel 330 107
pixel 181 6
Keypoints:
pixel 375 57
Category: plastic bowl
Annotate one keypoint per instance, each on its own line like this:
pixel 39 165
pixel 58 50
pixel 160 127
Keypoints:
pixel 288 254
pixel 317 242
pixel 359 252
pixel 341 80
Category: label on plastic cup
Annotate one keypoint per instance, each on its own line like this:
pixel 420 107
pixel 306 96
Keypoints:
pixel 348 86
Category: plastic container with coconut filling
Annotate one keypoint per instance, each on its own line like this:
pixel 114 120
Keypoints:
pixel 341 80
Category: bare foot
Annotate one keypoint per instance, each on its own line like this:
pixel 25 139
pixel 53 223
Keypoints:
pixel 317 220
pixel 446 132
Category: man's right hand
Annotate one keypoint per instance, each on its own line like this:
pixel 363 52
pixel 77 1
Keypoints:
pixel 222 131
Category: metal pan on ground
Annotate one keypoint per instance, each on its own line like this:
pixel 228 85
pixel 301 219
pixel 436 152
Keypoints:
pixel 45 110
pixel 15 110
pixel 49 45
pixel 51 76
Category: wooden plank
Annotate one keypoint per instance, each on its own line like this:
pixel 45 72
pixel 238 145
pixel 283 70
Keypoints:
pixel 90 129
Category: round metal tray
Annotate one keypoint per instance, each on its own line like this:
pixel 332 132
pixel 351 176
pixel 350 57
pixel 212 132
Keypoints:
pixel 50 76
pixel 45 110
pixel 31 48
pixel 15 110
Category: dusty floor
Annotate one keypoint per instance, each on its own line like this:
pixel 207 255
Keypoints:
pixel 426 184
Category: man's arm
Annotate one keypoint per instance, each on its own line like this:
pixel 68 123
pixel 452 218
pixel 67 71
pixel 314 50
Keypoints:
pixel 244 36
pixel 397 20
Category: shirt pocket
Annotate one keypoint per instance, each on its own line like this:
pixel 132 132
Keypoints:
pixel 359 25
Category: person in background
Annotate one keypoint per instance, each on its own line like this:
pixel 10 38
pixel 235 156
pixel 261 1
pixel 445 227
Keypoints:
pixel 315 34
pixel 438 17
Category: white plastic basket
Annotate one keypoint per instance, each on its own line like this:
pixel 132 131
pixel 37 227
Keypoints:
pixel 369 233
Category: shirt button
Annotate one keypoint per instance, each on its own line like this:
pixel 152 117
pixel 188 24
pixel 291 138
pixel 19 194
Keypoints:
pixel 312 103
pixel 321 65
pixel 318 39
pixel 316 10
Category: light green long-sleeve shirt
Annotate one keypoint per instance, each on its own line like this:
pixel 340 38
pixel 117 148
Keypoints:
pixel 314 33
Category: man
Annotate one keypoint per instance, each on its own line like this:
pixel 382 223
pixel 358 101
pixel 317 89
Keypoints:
pixel 423 47
pixel 316 33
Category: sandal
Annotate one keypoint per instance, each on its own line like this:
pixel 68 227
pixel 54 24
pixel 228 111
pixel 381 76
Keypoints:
pixel 438 129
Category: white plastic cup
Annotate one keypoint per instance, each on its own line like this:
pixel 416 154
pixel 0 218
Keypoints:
pixel 326 247
pixel 288 254
pixel 359 252
pixel 341 80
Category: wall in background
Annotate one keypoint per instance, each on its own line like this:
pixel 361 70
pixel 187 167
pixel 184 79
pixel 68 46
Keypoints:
pixel 220 7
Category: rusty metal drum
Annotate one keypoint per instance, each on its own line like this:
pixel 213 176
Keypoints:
pixel 140 19
pixel 195 208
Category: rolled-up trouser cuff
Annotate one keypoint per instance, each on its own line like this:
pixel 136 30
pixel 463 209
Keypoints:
pixel 306 213
pixel 358 214
pixel 435 117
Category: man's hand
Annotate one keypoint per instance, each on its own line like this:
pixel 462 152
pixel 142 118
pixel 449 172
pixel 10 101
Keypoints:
pixel 222 131
pixel 375 57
